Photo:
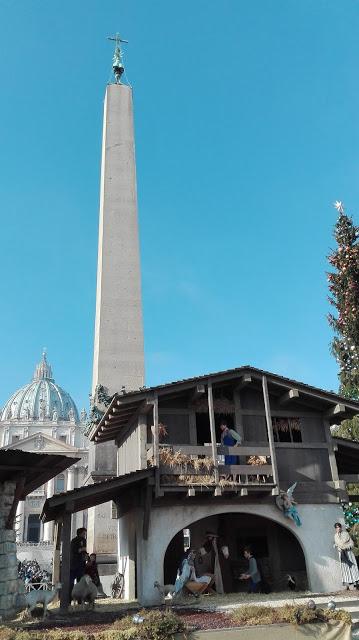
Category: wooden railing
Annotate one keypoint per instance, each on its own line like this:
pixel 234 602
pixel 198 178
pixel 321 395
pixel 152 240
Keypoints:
pixel 206 450
pixel 38 586
pixel 188 465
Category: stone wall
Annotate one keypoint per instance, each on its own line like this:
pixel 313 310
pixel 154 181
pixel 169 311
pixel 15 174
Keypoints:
pixel 10 587
pixel 315 537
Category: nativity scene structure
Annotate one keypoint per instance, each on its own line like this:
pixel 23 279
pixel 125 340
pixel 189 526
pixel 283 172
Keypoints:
pixel 176 480
pixel 215 462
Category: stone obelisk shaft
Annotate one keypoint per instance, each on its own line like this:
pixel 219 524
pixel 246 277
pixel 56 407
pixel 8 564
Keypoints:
pixel 118 350
pixel 118 347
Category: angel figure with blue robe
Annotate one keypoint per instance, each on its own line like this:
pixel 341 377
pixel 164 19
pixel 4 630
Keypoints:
pixel 286 503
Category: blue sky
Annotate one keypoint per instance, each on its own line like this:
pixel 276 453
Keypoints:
pixel 246 116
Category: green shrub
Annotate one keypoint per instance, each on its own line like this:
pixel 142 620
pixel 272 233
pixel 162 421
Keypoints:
pixel 156 625
pixel 7 634
pixel 58 634
pixel 28 635
pixel 251 615
pixel 130 633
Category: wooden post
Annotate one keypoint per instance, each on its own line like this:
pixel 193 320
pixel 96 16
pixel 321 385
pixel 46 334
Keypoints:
pixel 156 446
pixel 65 565
pixel 56 556
pixel 142 440
pixel 238 413
pixel 270 430
pixel 239 425
pixel 147 511
pixel 332 458
pixel 212 426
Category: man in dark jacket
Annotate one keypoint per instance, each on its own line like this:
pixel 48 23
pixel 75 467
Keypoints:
pixel 78 556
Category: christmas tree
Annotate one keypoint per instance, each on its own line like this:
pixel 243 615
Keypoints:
pixel 344 290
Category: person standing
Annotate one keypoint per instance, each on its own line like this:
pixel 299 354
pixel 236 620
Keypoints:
pixel 348 563
pixel 252 574
pixel 229 438
pixel 208 560
pixel 91 570
pixel 78 556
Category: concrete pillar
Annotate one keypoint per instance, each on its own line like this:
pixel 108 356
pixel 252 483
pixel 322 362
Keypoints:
pixel 49 526
pixel 70 479
pixel 19 521
pixel 70 485
pixel 127 553
pixel 81 516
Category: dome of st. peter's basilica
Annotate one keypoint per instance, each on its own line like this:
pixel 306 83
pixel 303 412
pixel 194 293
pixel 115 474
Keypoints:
pixel 40 400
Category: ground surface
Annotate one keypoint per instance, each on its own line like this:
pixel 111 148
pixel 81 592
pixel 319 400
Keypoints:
pixel 210 612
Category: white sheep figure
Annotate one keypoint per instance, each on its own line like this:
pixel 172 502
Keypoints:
pixel 167 591
pixel 84 591
pixel 41 596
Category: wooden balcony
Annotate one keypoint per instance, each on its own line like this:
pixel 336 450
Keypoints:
pixel 187 467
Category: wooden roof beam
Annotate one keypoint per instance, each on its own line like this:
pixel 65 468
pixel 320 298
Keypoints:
pixel 130 401
pixel 244 382
pixel 336 411
pixel 197 393
pixel 121 414
pixel 292 394
pixel 111 419
pixel 113 428
pixel 352 477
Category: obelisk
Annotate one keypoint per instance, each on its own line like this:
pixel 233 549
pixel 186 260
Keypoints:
pixel 118 346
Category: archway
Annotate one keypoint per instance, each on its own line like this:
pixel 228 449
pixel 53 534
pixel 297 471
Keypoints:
pixel 276 548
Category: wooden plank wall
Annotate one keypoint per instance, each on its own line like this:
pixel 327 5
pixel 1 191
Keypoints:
pixel 129 454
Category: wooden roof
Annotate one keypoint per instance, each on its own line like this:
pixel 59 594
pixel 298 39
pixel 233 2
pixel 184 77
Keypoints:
pixel 34 468
pixel 125 407
pixel 94 494
pixel 347 457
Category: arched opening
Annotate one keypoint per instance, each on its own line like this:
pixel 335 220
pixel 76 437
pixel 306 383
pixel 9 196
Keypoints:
pixel 275 547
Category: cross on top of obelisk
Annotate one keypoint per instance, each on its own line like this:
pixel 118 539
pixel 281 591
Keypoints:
pixel 117 64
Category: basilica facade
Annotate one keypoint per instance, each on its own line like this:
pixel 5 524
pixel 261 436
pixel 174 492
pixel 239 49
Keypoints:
pixel 42 417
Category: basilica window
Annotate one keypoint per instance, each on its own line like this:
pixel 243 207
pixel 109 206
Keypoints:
pixel 63 438
pixel 15 438
pixel 33 527
pixel 60 483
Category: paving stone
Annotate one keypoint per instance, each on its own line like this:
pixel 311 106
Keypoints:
pixel 7 602
pixel 5 504
pixel 8 561
pixel 8 587
pixel 8 573
pixel 7 547
pixel 7 535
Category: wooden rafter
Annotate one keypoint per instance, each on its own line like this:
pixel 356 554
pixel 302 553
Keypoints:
pixel 244 382
pixel 292 394
pixel 336 411
pixel 199 390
